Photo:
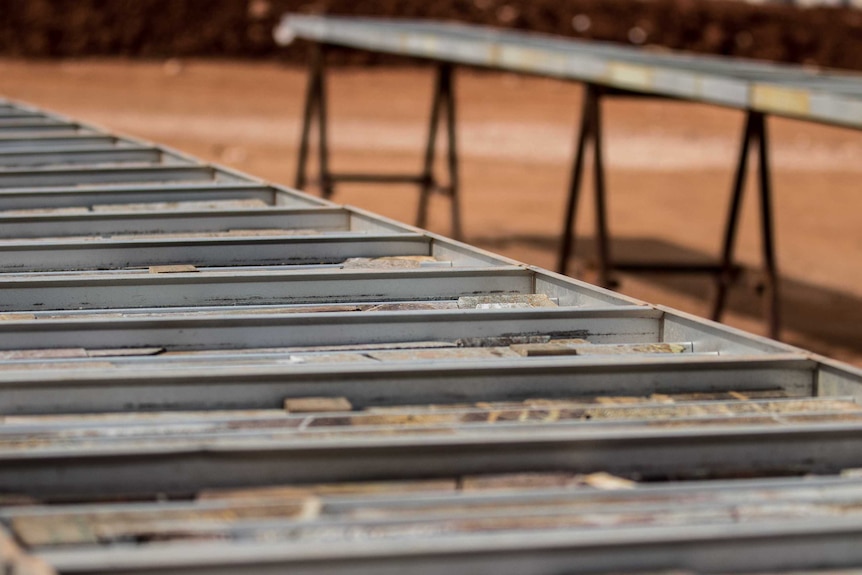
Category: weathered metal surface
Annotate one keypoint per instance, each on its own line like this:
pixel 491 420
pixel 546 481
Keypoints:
pixel 371 518
pixel 377 400
pixel 33 255
pixel 77 176
pixel 823 96
pixel 302 418
pixel 505 301
pixel 467 328
pixel 390 262
pixel 214 383
pixel 156 195
pixel 322 286
pixel 583 347
pixel 71 156
pixel 188 205
pixel 52 142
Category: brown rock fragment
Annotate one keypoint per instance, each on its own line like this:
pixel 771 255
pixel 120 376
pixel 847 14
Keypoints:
pixel 316 404
pixel 172 269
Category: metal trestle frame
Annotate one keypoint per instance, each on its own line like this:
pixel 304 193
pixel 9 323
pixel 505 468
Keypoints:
pixel 726 270
pixel 443 102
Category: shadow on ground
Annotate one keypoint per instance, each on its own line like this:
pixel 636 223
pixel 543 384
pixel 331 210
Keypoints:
pixel 825 317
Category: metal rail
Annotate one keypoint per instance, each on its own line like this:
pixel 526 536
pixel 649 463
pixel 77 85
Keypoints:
pixel 50 142
pixel 130 196
pixel 229 376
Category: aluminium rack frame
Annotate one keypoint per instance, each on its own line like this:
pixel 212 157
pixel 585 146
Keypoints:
pixel 347 394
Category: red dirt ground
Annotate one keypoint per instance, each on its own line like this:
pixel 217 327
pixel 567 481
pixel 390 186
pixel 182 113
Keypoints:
pixel 670 168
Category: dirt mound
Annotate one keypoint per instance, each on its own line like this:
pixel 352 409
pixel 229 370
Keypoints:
pixel 830 37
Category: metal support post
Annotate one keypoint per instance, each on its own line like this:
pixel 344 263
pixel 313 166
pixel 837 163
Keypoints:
pixel 315 105
pixel 603 250
pixel 755 131
pixel 767 244
pixel 589 133
pixel 443 100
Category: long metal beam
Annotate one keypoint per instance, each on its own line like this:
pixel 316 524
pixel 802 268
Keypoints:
pixel 33 143
pixel 388 517
pixel 687 534
pixel 623 324
pixel 316 287
pixel 28 121
pixel 22 129
pixel 214 385
pixel 84 175
pixel 27 256
pixel 163 222
pixel 776 89
pixel 384 239
pixel 181 463
pixel 789 544
pixel 75 155
pixel 84 196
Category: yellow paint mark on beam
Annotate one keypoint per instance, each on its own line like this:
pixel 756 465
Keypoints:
pixel 530 60
pixel 770 98
pixel 494 55
pixel 629 75
pixel 429 45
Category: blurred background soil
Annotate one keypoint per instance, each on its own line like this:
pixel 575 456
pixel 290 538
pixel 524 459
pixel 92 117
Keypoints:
pixel 825 36
pixel 670 164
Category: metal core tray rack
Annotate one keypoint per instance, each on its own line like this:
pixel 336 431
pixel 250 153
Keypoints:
pixel 204 373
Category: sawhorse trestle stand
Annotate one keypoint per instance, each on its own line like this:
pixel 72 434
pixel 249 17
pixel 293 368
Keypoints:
pixel 443 103
pixel 725 270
